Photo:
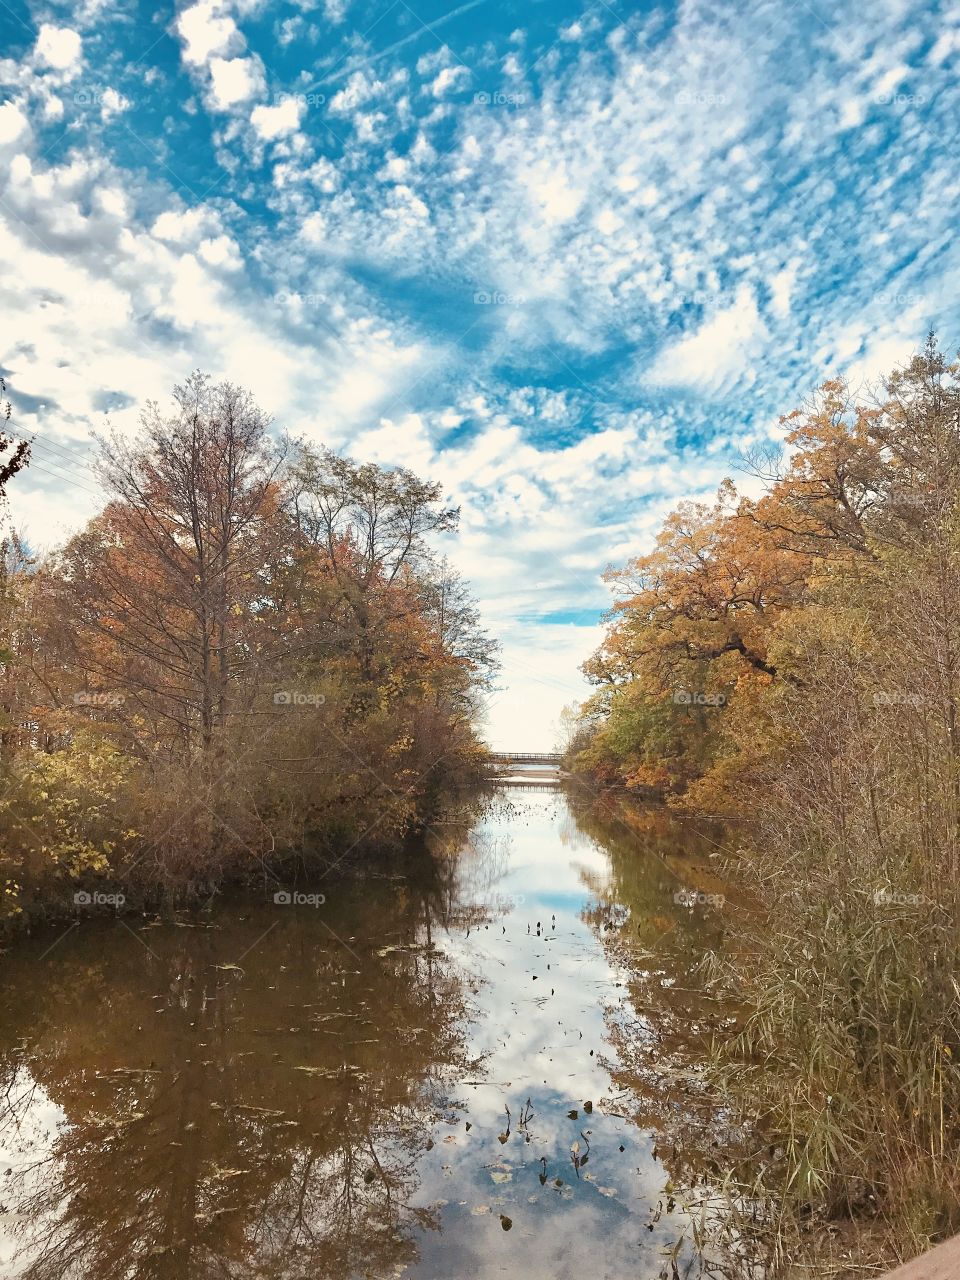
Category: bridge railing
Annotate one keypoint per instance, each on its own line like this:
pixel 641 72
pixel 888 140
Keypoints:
pixel 539 757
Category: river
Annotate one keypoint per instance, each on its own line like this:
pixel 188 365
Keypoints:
pixel 473 1064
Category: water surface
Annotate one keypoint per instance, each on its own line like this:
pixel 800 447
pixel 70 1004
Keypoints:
pixel 468 1067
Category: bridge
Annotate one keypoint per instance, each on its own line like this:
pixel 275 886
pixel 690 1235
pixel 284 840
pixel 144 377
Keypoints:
pixel 538 769
pixel 526 757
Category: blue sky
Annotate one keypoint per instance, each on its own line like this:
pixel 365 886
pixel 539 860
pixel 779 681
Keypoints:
pixel 572 260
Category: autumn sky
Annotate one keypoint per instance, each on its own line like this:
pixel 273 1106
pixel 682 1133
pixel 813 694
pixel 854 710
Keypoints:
pixel 570 260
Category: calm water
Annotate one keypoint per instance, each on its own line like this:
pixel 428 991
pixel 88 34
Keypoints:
pixel 474 1067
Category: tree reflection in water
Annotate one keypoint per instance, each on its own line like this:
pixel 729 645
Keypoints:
pixel 662 1031
pixel 503 1032
pixel 233 1109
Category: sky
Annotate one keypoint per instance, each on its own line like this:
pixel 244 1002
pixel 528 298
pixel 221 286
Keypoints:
pixel 570 260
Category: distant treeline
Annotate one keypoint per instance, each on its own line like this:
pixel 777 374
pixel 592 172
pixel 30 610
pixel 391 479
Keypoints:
pixel 253 652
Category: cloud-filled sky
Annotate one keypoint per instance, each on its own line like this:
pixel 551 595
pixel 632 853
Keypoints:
pixel 569 259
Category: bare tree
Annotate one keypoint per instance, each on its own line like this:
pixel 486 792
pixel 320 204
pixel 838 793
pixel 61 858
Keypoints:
pixel 172 569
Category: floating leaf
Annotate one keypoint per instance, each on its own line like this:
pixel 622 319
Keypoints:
pixel 506 1222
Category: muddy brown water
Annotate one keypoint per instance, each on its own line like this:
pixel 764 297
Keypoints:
pixel 472 1066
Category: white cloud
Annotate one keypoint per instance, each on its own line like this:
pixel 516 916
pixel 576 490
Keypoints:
pixel 335 10
pixel 405 206
pixel 59 47
pixel 235 80
pixel 947 43
pixel 185 226
pixel 721 349
pixel 114 202
pixel 277 122
pixel 112 103
pixel 207 30
pixel 608 222
pixel 558 198
pixel 781 289
pixel 13 123
pixel 889 82
pixel 221 251
pixel 356 92
pixel 448 79
pixel 853 112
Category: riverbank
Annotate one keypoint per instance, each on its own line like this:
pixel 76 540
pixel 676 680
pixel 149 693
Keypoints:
pixel 833 1049
pixel 790 659
pixel 124 878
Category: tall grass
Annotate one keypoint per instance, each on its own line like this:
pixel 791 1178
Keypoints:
pixel 848 1063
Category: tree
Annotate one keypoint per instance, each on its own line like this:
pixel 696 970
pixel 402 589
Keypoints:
pixel 20 457
pixel 167 581
pixel 866 508
pixel 371 525
pixel 268 658
pixel 462 656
